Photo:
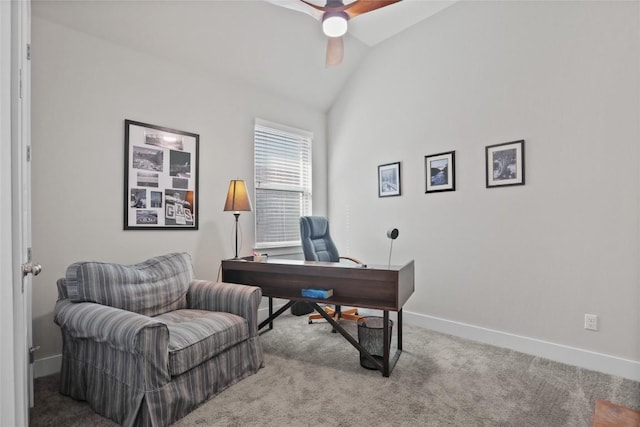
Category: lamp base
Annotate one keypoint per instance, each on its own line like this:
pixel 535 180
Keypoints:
pixel 237 215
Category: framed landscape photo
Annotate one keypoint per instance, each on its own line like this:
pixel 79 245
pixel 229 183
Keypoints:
pixel 389 180
pixel 440 172
pixel 505 164
pixel 160 178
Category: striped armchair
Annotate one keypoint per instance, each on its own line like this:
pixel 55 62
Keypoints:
pixel 146 344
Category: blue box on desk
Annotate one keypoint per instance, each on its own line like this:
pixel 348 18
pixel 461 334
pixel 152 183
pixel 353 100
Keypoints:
pixel 317 293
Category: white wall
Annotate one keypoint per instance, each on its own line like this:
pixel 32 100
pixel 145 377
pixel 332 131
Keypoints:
pixel 530 260
pixel 83 89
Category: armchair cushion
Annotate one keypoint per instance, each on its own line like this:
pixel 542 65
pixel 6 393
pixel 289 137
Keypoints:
pixel 197 335
pixel 152 287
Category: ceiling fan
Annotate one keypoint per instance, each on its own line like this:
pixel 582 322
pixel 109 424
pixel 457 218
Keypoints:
pixel 334 16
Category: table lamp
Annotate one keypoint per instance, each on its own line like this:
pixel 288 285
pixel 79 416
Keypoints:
pixel 237 201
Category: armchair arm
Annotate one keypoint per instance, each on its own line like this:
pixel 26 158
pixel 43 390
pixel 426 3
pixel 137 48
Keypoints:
pixel 123 330
pixel 242 300
pixel 357 261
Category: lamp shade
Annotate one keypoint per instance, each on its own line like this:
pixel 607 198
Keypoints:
pixel 237 197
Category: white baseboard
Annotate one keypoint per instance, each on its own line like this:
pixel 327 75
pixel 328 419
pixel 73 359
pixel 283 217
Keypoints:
pixel 600 362
pixel 47 366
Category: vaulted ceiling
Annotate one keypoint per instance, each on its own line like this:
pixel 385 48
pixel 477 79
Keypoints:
pixel 251 42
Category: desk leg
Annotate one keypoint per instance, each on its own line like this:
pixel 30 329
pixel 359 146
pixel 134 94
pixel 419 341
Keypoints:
pixel 270 311
pixel 338 315
pixel 400 329
pixel 269 321
pixel 386 341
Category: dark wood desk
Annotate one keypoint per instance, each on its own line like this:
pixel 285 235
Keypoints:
pixel 376 287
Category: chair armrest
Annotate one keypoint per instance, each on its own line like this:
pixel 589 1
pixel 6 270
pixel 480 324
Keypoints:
pixel 242 300
pixel 124 330
pixel 351 259
pixel 140 342
pixel 62 289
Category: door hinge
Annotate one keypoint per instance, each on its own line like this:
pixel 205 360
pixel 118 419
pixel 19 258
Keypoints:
pixel 28 153
pixel 28 51
pixel 32 352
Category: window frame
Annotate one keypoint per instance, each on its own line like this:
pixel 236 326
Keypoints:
pixel 306 139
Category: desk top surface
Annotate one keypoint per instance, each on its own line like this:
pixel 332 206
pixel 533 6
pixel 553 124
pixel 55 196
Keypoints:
pixel 322 264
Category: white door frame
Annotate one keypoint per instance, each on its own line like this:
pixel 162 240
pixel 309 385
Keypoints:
pixel 14 133
pixel 9 392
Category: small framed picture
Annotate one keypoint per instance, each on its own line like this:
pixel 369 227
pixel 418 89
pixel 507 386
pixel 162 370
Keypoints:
pixel 505 164
pixel 440 172
pixel 389 180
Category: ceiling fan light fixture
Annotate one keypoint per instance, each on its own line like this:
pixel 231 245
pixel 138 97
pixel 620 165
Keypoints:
pixel 334 24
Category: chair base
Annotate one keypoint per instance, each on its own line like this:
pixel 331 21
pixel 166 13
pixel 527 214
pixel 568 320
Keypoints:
pixel 351 314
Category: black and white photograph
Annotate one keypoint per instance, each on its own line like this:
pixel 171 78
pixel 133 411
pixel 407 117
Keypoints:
pixel 440 172
pixel 144 216
pixel 181 183
pixel 389 180
pixel 147 179
pixel 179 207
pixel 161 178
pixel 180 164
pixel 156 199
pixel 147 159
pixel 173 142
pixel 138 198
pixel 505 164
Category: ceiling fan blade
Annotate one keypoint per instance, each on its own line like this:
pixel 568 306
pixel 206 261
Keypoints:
pixel 299 6
pixel 335 51
pixel 363 6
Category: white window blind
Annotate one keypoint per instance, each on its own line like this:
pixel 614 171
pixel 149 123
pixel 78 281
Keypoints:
pixel 282 161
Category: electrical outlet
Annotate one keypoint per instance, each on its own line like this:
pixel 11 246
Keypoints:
pixel 591 322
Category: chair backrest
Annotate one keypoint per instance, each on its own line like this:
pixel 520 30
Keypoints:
pixel 316 239
pixel 155 286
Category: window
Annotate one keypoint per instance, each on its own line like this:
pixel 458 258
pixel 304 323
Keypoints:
pixel 282 161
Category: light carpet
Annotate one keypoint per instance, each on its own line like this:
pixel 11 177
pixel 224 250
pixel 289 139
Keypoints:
pixel 313 377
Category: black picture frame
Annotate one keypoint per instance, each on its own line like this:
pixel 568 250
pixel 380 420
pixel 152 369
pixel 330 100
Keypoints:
pixel 505 164
pixel 389 180
pixel 440 172
pixel 160 178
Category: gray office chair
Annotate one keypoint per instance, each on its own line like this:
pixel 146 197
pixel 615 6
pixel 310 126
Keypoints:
pixel 318 246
